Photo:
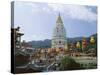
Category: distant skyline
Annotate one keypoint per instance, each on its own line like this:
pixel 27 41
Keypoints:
pixel 37 20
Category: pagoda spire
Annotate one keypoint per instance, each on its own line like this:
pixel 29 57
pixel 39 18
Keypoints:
pixel 59 35
pixel 59 20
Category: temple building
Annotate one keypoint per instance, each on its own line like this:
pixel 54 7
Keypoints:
pixel 16 38
pixel 59 34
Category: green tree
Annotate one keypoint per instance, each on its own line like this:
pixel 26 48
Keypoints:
pixel 67 63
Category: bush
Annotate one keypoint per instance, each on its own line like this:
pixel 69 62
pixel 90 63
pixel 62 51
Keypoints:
pixel 67 63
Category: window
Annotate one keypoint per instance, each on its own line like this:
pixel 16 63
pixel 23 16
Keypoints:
pixel 59 42
pixel 59 35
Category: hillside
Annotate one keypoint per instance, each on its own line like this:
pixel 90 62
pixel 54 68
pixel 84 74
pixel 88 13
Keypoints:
pixel 47 43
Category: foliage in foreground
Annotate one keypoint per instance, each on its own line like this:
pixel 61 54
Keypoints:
pixel 67 63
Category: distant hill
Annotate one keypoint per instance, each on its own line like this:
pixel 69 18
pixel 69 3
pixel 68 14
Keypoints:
pixel 40 44
pixel 47 43
pixel 80 38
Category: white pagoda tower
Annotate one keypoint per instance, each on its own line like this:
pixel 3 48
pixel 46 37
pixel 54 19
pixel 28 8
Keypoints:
pixel 59 34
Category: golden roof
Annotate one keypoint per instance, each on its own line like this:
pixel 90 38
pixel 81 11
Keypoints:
pixel 59 20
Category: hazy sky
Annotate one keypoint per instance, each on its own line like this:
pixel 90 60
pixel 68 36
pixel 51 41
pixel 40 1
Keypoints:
pixel 37 20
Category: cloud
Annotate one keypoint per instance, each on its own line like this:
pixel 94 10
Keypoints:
pixel 45 9
pixel 79 12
